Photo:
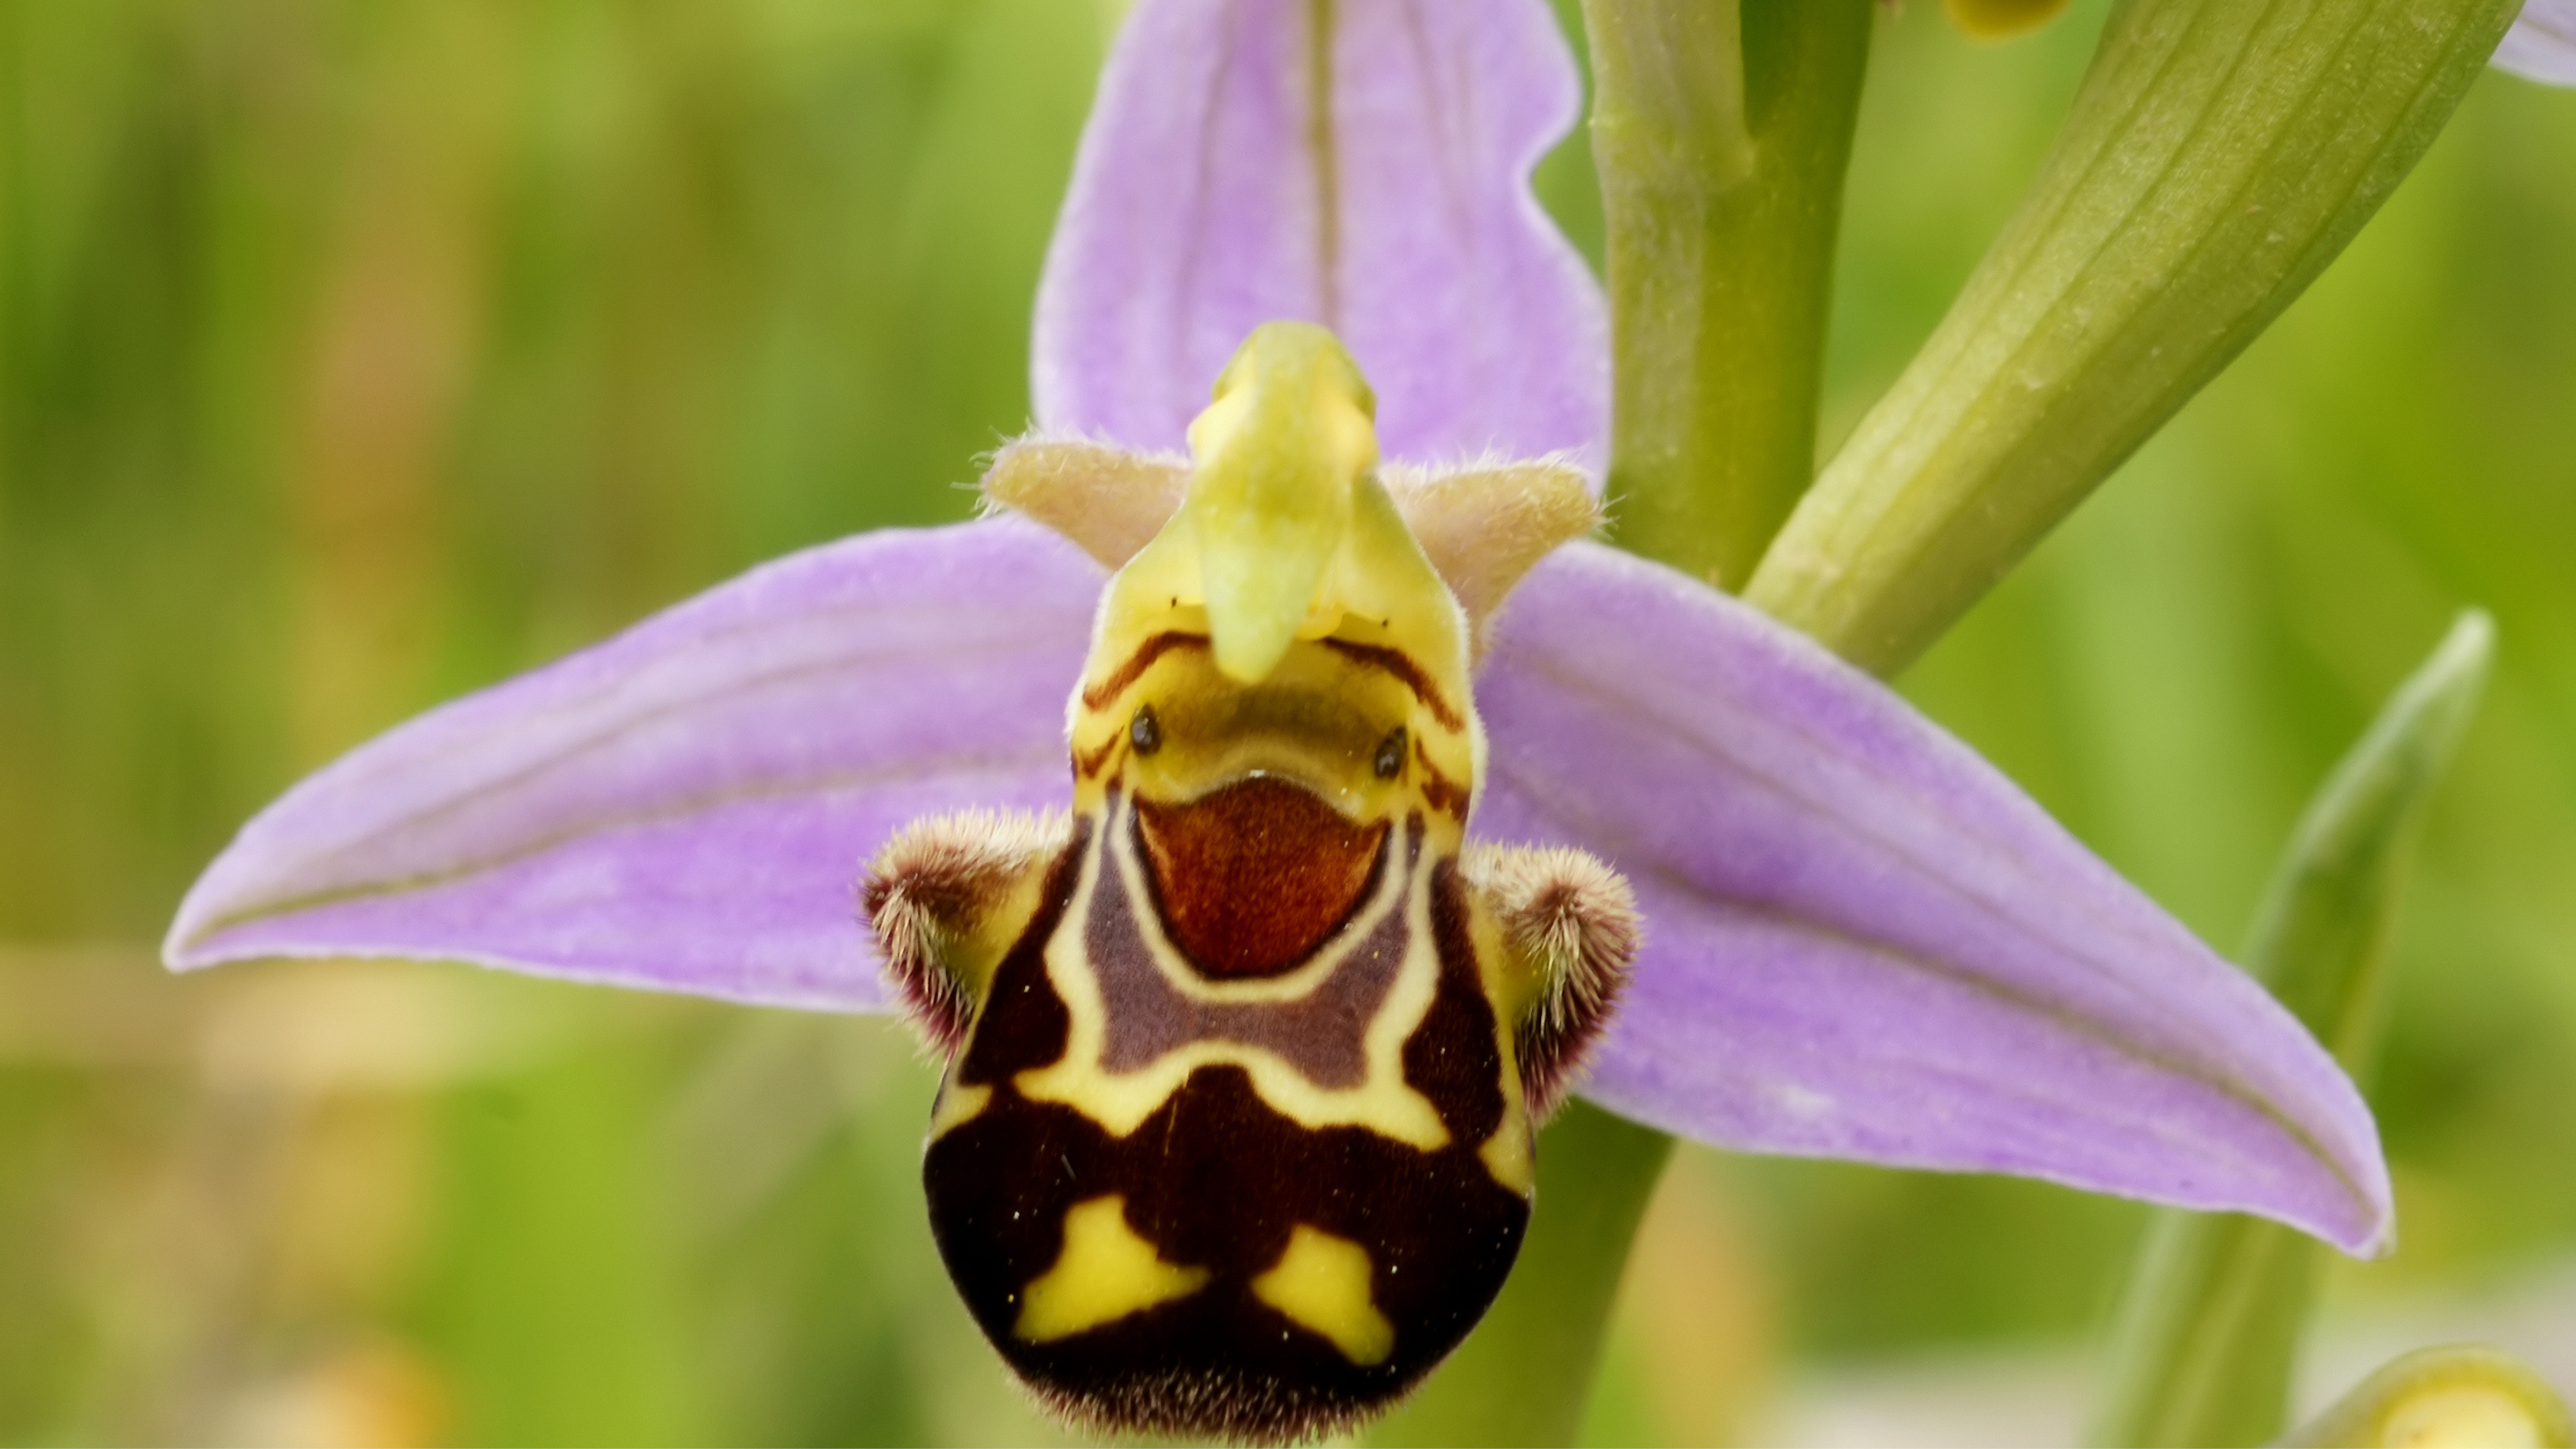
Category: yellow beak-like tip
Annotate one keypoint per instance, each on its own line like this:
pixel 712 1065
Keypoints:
pixel 1277 455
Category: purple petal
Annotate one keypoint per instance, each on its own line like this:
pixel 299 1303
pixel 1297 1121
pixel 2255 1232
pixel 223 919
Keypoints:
pixel 2541 45
pixel 1863 941
pixel 1207 200
pixel 685 807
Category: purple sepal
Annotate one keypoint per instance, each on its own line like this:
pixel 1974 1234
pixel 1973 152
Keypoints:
pixel 685 807
pixel 1863 941
pixel 1207 200
pixel 2541 45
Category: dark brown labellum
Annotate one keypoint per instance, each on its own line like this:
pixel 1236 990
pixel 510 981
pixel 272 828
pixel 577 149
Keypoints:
pixel 1133 1272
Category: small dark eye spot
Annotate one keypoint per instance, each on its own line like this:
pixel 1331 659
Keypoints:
pixel 1390 755
pixel 1145 732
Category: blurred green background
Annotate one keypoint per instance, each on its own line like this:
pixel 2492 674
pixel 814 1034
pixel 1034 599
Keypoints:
pixel 355 353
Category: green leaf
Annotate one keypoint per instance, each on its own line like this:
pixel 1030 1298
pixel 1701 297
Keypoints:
pixel 1720 134
pixel 2219 154
pixel 2210 1325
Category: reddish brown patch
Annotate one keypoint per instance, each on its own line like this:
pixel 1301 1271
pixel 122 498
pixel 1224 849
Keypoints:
pixel 1439 791
pixel 1087 765
pixel 1401 665
pixel 1098 696
pixel 1251 879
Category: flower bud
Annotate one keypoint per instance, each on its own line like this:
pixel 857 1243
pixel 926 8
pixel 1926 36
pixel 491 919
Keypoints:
pixel 2463 1395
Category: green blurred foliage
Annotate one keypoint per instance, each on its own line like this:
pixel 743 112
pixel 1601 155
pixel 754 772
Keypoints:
pixel 354 353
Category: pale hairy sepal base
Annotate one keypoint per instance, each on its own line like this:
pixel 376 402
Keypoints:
pixel 1570 929
pixel 945 898
pixel 1483 523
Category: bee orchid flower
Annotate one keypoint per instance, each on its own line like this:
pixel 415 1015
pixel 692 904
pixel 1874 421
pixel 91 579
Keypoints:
pixel 1382 787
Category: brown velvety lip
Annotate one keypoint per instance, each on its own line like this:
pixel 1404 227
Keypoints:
pixel 1251 878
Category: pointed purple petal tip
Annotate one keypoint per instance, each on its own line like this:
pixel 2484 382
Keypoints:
pixel 1211 196
pixel 2541 46
pixel 1865 942
pixel 686 806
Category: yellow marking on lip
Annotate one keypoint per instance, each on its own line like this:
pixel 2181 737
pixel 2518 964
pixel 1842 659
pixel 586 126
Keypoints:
pixel 1121 1101
pixel 1507 1155
pixel 1106 1272
pixel 1322 1283
pixel 959 1103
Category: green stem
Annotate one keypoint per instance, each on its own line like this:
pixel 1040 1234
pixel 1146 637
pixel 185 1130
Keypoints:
pixel 1721 138
pixel 1525 1374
